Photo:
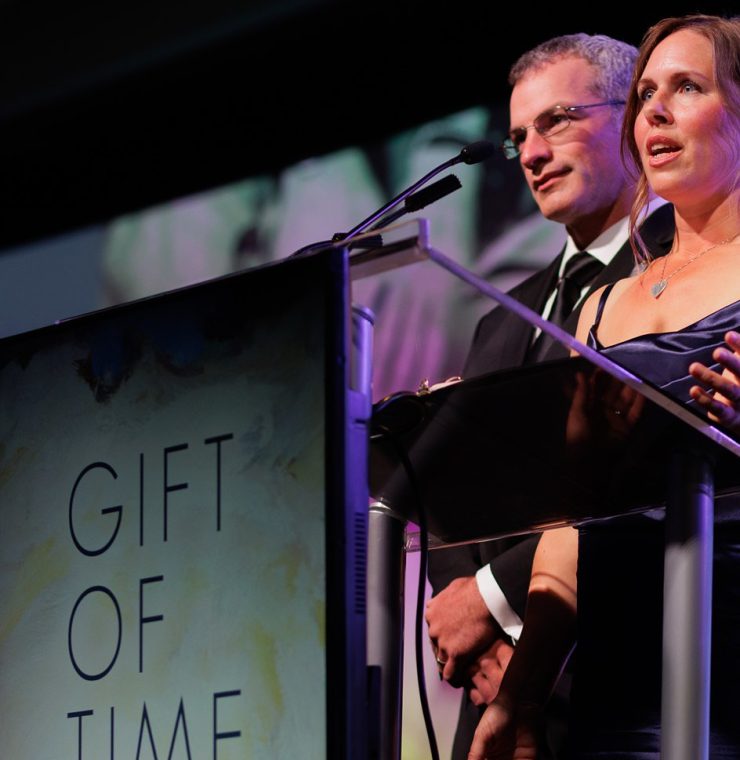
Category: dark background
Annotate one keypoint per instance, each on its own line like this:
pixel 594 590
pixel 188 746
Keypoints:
pixel 107 108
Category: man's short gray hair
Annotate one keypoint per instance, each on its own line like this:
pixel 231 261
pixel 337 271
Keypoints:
pixel 612 60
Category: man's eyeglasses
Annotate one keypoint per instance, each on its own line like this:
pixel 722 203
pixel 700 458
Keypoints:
pixel 548 123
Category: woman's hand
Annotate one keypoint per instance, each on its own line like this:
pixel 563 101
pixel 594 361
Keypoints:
pixel 506 732
pixel 721 395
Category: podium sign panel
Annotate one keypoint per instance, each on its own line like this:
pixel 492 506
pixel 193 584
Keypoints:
pixel 165 507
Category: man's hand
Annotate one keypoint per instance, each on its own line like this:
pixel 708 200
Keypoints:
pixel 461 628
pixel 486 673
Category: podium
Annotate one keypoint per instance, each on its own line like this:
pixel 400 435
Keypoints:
pixel 183 502
pixel 529 449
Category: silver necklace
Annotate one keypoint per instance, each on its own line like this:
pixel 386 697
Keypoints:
pixel 657 288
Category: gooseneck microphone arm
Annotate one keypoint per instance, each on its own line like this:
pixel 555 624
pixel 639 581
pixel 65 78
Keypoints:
pixel 470 154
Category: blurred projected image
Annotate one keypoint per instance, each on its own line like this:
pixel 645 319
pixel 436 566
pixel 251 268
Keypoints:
pixel 424 319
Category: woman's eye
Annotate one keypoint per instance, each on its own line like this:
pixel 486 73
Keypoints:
pixel 689 87
pixel 645 94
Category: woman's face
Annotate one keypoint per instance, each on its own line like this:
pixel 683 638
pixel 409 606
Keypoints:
pixel 687 140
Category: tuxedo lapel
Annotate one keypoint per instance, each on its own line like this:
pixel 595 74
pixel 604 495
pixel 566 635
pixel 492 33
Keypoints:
pixel 658 230
pixel 502 339
pixel 534 294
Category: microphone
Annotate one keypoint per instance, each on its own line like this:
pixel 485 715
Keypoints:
pixel 431 194
pixel 477 152
pixel 414 202
pixel 422 198
pixel 470 154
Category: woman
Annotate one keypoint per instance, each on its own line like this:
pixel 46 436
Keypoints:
pixel 682 126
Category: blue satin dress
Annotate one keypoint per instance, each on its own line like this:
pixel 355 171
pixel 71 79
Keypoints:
pixel 616 693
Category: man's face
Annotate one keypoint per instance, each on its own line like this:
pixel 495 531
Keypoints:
pixel 577 173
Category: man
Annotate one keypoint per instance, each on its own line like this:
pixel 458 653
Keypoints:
pixel 566 110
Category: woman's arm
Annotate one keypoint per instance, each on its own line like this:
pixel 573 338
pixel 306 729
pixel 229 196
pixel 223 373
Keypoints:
pixel 508 728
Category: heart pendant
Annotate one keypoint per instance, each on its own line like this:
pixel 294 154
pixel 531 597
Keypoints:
pixel 658 288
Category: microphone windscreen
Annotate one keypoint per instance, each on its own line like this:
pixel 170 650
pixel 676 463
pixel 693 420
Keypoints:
pixel 434 192
pixel 477 151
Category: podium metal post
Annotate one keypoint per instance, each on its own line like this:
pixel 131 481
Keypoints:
pixel 687 609
pixel 385 613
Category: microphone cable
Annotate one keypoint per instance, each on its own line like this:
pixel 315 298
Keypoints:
pixel 421 588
